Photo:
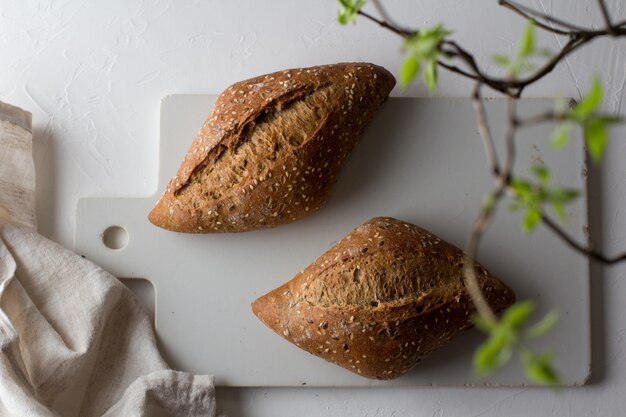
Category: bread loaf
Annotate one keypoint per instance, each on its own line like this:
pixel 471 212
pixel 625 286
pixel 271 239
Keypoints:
pixel 383 298
pixel 270 151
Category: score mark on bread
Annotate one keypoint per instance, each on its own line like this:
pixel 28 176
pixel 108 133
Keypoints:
pixel 270 151
pixel 380 300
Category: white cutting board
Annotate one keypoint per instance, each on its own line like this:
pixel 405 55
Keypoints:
pixel 421 160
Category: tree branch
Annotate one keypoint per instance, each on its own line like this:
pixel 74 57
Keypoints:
pixel 485 217
pixel 553 116
pixel 574 43
pixel 549 116
pixel 485 132
pixel 457 70
pixel 606 17
pixel 529 13
pixel 527 16
pixel 513 89
pixel 389 26
pixel 585 250
pixel 578 37
pixel 509 140
pixel 620 25
pixel 386 18
pixel 481 224
pixel 461 53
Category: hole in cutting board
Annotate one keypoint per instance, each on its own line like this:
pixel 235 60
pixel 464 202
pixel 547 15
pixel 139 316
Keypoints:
pixel 115 237
pixel 145 293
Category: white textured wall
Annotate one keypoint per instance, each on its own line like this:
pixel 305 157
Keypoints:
pixel 93 73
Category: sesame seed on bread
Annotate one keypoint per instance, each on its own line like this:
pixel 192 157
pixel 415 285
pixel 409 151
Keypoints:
pixel 380 300
pixel 271 149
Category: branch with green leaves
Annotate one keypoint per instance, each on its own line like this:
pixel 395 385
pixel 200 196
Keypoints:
pixel 451 51
pixel 427 50
pixel 509 334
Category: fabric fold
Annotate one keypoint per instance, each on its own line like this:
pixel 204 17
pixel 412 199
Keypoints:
pixel 17 168
pixel 74 340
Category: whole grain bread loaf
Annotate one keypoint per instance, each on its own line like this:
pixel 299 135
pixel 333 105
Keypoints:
pixel 270 151
pixel 383 298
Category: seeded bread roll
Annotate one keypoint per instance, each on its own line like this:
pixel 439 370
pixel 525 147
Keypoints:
pixel 383 298
pixel 271 149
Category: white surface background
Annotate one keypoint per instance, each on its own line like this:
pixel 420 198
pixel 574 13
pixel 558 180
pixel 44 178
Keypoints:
pixel 93 73
pixel 204 290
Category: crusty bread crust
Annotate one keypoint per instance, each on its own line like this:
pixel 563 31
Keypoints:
pixel 383 298
pixel 270 151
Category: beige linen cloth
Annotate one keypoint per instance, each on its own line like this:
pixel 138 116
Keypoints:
pixel 74 341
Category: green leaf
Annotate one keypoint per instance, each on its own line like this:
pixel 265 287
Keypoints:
pixel 522 188
pixel 501 60
pixel 563 195
pixel 560 211
pixel 489 201
pixel 485 358
pixel 423 46
pixel 561 135
pixel 543 374
pixel 516 205
pixel 531 219
pixel 596 137
pixel 491 355
pixel 427 47
pixel 425 43
pixel 430 76
pixel 542 172
pixel 526 66
pixel 516 315
pixel 435 32
pixel 527 46
pixel 349 10
pixel 343 17
pixel 543 326
pixel 515 68
pixel 521 62
pixel 611 119
pixel 590 102
pixel 539 368
pixel 410 69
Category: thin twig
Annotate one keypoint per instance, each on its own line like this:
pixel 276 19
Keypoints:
pixel 552 116
pixel 616 29
pixel 386 18
pixel 459 51
pixel 537 23
pixel 485 131
pixel 457 70
pixel 620 25
pixel 485 216
pixel 549 116
pixel 585 250
pixel 481 224
pixel 573 44
pixel 504 85
pixel 606 17
pixel 509 140
pixel 513 89
pixel 539 15
pixel 398 31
